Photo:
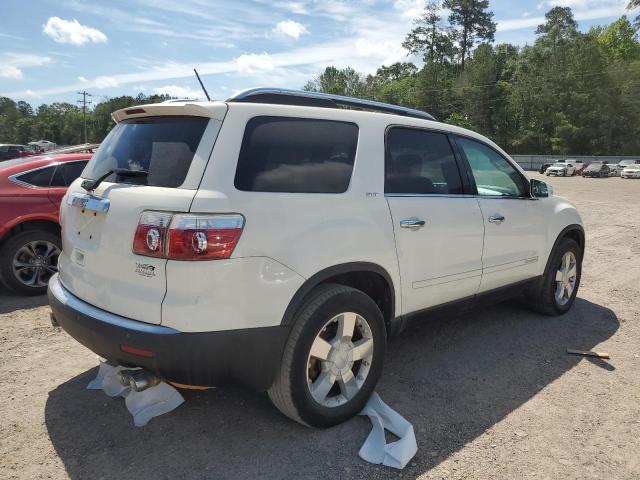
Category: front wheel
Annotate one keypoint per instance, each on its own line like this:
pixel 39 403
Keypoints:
pixel 28 260
pixel 333 357
pixel 559 285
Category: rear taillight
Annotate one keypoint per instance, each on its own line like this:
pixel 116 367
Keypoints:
pixel 151 234
pixel 187 236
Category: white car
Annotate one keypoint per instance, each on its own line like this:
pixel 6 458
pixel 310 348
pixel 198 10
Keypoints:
pixel 632 171
pixel 45 145
pixel 276 241
pixel 561 169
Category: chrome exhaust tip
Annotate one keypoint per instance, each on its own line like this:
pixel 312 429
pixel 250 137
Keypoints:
pixel 138 380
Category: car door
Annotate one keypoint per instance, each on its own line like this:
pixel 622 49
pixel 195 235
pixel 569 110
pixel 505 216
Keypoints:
pixel 438 227
pixel 515 231
pixel 64 175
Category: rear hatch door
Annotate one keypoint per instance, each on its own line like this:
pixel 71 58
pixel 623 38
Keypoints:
pixel 173 144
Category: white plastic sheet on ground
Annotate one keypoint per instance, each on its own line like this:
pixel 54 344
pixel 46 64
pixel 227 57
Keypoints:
pixel 145 405
pixel 375 448
pixel 163 398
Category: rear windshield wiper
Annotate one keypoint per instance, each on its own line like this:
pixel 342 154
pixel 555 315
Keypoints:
pixel 90 185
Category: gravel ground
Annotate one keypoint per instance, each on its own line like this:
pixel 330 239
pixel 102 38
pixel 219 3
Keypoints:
pixel 490 395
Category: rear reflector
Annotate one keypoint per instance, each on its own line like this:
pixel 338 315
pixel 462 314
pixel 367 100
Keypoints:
pixel 187 236
pixel 140 352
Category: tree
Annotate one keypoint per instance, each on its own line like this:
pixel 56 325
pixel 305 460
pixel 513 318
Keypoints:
pixel 429 39
pixel 473 21
pixel 619 40
pixel 559 25
pixel 339 82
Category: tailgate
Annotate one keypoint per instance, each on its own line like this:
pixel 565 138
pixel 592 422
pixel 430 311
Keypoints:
pixel 97 263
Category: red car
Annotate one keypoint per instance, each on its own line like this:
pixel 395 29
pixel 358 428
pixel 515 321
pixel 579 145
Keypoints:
pixel 31 190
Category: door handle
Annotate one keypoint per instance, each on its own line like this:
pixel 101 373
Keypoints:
pixel 412 223
pixel 497 219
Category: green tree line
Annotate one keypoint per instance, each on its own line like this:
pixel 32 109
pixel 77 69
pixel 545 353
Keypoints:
pixel 570 92
pixel 62 122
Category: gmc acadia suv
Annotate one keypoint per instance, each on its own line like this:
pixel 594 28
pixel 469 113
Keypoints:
pixel 276 241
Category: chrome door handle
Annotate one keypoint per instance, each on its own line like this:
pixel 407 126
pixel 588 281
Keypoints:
pixel 412 223
pixel 497 219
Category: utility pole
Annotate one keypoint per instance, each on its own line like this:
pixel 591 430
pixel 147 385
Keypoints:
pixel 84 103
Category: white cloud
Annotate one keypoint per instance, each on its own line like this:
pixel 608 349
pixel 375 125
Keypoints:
pixel 11 64
pixel 71 31
pixel 83 79
pixel 290 28
pixel 179 92
pixel 582 10
pixel 105 81
pixel 253 62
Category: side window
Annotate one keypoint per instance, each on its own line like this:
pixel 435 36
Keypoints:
pixel 493 174
pixel 420 162
pixel 37 178
pixel 296 155
pixel 66 173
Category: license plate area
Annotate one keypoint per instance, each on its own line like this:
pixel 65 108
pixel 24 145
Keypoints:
pixel 88 213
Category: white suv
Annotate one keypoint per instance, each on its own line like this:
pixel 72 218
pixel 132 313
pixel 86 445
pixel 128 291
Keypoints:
pixel 276 241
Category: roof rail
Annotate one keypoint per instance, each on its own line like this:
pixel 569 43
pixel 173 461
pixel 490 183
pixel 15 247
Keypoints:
pixel 315 99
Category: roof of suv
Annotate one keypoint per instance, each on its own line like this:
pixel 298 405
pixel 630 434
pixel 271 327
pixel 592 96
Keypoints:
pixel 316 104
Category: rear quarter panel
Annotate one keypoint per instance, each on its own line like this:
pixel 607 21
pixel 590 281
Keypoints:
pixel 305 233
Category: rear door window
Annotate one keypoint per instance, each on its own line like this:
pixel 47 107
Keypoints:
pixel 66 173
pixel 37 178
pixel 420 162
pixel 162 146
pixel 296 155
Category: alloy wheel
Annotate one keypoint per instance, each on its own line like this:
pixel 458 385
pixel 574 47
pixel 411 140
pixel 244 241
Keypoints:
pixel 35 263
pixel 566 277
pixel 340 359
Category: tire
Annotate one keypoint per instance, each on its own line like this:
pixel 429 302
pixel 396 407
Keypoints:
pixel 300 371
pixel 23 247
pixel 544 299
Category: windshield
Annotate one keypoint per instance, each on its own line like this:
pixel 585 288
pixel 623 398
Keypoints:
pixel 561 165
pixel 594 166
pixel 162 146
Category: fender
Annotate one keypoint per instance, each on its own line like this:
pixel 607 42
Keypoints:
pixel 563 233
pixel 39 217
pixel 322 275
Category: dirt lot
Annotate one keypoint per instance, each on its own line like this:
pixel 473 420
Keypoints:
pixel 491 395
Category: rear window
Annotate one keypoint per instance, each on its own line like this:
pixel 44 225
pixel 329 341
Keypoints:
pixel 296 155
pixel 162 146
pixel 37 178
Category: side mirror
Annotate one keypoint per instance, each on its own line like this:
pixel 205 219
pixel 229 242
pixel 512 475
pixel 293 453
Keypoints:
pixel 540 189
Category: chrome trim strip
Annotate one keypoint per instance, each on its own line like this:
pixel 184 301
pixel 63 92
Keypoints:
pixel 510 265
pixel 72 302
pixel 88 202
pixel 445 195
pixel 432 282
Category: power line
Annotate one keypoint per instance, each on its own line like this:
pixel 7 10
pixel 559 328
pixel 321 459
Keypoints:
pixel 84 103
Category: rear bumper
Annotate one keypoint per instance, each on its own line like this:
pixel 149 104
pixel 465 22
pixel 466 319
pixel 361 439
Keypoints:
pixel 247 357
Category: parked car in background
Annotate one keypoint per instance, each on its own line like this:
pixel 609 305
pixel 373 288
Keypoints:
pixel 622 164
pixel 614 171
pixel 187 268
pixel 544 167
pixel 596 169
pixel 561 169
pixel 9 151
pixel 30 194
pixel 630 171
pixel 579 164
pixel 45 145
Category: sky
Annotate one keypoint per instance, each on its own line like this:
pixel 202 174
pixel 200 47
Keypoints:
pixel 50 50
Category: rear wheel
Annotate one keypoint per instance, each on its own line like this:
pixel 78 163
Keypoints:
pixel 333 357
pixel 28 260
pixel 559 286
